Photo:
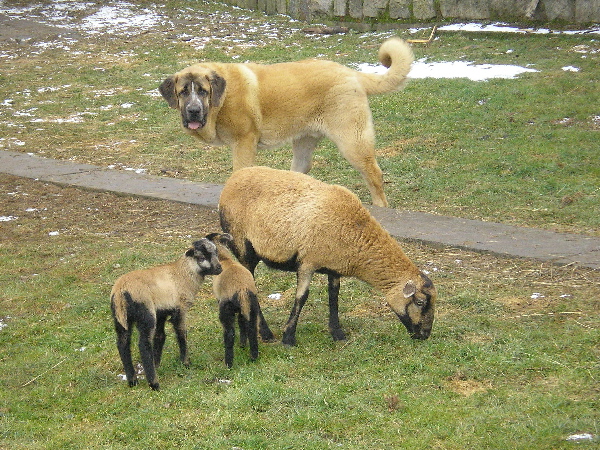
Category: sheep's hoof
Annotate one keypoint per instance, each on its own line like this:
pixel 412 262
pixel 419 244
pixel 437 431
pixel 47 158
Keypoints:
pixel 133 382
pixel 338 335
pixel 155 386
pixel 289 342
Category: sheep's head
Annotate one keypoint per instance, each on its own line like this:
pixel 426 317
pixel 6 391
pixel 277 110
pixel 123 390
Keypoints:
pixel 205 254
pixel 414 305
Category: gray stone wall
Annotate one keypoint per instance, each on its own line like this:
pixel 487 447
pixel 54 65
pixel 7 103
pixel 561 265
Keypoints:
pixel 573 11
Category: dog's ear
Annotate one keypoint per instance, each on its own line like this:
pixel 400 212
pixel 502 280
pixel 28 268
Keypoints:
pixel 167 90
pixel 217 88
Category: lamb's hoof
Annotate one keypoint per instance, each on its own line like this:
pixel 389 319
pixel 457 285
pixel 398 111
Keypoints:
pixel 155 386
pixel 267 336
pixel 133 382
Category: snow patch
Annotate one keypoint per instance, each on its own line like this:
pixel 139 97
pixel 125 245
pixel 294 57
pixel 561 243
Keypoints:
pixel 454 69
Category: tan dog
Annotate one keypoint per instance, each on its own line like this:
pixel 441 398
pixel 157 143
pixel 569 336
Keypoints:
pixel 253 106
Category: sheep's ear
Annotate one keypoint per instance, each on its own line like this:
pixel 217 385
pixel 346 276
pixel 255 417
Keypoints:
pixel 190 252
pixel 409 289
pixel 167 90
pixel 217 89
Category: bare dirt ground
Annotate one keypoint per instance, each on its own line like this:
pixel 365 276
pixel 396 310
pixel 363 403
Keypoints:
pixel 21 30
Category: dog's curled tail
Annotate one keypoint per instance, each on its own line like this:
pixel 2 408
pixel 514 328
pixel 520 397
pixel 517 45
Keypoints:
pixel 397 55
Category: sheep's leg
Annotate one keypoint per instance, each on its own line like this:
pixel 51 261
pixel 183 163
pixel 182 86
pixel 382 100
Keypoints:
pixel 227 319
pixel 146 329
pixel 303 148
pixel 289 332
pixel 266 334
pixel 124 347
pixel 159 339
pixel 333 282
pixel 179 324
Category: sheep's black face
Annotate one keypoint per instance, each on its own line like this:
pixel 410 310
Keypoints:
pixel 205 254
pixel 416 312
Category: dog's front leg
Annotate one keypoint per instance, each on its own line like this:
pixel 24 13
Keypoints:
pixel 244 151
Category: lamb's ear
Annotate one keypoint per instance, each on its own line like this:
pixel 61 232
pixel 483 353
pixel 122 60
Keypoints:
pixel 217 89
pixel 190 253
pixel 409 289
pixel 167 90
pixel 212 236
pixel 226 238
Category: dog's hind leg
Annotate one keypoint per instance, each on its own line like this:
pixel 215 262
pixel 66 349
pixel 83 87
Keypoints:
pixel 359 149
pixel 303 148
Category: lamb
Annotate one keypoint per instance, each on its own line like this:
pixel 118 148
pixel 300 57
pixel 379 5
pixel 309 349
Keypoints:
pixel 291 221
pixel 147 297
pixel 237 295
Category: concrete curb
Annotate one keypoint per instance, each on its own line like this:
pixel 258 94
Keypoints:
pixel 496 238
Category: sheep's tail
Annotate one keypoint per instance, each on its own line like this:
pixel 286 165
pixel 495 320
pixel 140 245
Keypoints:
pixel 397 55
pixel 118 303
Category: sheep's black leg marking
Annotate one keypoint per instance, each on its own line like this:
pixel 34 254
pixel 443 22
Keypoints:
pixel 251 327
pixel 178 321
pixel 227 318
pixel 159 338
pixel 289 332
pixel 146 324
pixel 124 347
pixel 266 334
pixel 333 282
pixel 243 326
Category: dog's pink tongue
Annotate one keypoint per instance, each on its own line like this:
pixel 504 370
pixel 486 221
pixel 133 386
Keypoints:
pixel 194 125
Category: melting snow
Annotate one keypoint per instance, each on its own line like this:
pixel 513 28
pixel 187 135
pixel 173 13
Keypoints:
pixel 455 69
pixel 506 28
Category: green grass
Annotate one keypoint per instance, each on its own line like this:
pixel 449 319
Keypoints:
pixel 502 369
pixel 499 150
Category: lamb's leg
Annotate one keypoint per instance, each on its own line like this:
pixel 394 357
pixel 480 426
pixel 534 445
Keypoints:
pixel 243 330
pixel 124 347
pixel 333 282
pixel 251 328
pixel 146 328
pixel 250 260
pixel 159 339
pixel 304 276
pixel 178 319
pixel 227 319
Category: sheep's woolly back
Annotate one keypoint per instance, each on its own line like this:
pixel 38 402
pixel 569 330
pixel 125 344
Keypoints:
pixel 290 216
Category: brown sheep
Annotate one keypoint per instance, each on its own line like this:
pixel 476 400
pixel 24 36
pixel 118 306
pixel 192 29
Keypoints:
pixel 148 297
pixel 293 222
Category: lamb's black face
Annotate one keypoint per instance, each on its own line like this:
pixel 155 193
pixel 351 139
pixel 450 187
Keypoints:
pixel 205 253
